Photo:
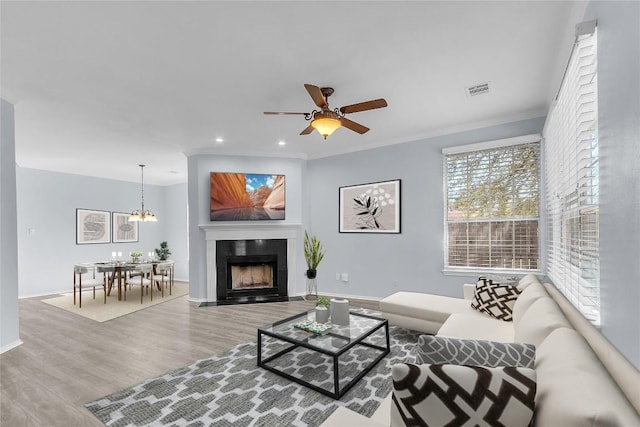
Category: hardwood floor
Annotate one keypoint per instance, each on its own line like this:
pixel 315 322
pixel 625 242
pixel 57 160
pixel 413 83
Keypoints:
pixel 67 360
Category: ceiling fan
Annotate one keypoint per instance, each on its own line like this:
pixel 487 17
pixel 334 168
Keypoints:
pixel 325 120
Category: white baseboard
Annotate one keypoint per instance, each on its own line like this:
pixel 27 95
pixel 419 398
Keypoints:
pixel 49 293
pixel 10 346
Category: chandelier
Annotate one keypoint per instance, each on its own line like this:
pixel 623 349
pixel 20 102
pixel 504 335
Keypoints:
pixel 142 214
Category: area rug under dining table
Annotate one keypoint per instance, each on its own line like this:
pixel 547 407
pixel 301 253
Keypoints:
pixel 230 390
pixel 96 309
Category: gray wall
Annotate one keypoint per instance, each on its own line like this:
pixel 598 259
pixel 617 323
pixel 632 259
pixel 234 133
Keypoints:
pixel 47 203
pixel 9 316
pixel 200 167
pixel 619 133
pixel 380 264
pixel 175 229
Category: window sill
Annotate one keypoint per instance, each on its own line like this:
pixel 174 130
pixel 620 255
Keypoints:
pixel 492 272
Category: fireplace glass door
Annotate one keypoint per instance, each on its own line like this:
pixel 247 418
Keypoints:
pixel 253 276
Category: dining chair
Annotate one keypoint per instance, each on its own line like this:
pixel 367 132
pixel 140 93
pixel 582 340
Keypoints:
pixel 163 273
pixel 80 270
pixel 108 271
pixel 143 279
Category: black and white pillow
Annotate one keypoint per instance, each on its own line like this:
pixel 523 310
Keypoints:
pixel 456 395
pixel 438 350
pixel 494 299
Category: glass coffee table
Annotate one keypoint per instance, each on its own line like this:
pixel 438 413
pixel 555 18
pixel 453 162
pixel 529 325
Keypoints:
pixel 329 363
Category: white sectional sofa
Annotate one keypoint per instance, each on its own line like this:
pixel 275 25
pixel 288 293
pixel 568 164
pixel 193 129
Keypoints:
pixel 582 380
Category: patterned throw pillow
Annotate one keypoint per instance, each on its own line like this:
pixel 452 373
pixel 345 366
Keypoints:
pixel 494 299
pixel 455 395
pixel 437 350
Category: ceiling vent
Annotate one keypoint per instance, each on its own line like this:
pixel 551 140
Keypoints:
pixel 478 89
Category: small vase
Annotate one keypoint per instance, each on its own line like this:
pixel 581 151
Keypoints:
pixel 340 312
pixel 322 314
pixel 312 289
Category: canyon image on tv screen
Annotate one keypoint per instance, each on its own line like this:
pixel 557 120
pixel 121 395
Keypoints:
pixel 247 197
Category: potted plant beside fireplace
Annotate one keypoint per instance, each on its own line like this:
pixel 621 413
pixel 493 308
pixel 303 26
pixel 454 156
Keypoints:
pixel 313 254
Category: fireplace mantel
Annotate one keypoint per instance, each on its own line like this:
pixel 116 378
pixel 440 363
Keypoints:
pixel 250 231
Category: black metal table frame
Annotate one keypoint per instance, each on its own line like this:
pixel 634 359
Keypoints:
pixel 338 392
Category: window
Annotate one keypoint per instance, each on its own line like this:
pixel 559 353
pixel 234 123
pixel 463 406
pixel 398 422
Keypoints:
pixel 572 173
pixel 492 202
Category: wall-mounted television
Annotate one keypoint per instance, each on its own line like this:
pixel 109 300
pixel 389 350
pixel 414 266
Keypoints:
pixel 247 196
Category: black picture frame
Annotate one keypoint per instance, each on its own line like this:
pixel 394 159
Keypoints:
pixel 370 208
pixel 124 231
pixel 92 226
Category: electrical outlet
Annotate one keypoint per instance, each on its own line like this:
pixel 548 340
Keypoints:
pixel 337 276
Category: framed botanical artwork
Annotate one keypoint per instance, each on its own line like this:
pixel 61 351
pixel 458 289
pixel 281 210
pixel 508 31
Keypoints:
pixel 124 231
pixel 92 226
pixel 370 208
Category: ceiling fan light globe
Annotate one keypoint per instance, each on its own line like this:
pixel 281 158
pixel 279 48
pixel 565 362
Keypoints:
pixel 325 125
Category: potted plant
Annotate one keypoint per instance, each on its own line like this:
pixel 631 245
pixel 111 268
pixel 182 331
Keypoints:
pixel 322 310
pixel 163 251
pixel 135 256
pixel 313 254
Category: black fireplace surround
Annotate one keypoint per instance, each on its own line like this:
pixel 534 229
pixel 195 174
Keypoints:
pixel 243 253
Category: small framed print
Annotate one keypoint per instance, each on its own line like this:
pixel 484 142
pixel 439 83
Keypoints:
pixel 124 231
pixel 370 208
pixel 92 226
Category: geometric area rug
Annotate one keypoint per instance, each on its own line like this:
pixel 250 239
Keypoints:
pixel 229 390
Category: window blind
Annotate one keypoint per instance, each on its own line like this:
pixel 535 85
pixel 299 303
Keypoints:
pixel 492 198
pixel 572 189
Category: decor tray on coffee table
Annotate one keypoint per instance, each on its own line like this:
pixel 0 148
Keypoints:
pixel 329 363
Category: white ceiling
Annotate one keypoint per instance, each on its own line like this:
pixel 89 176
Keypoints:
pixel 100 87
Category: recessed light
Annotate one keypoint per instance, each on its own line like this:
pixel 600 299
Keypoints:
pixel 282 143
pixel 219 140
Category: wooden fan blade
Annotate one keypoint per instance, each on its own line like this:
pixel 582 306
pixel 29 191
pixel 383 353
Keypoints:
pixel 282 112
pixel 356 127
pixel 316 95
pixel 364 106
pixel 307 130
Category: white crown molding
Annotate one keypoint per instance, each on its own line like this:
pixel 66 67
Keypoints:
pixel 216 151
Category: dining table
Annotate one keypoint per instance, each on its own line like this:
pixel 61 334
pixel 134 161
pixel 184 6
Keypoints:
pixel 117 272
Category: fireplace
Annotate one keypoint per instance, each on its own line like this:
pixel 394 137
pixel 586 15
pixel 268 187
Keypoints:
pixel 251 271
pixel 216 232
